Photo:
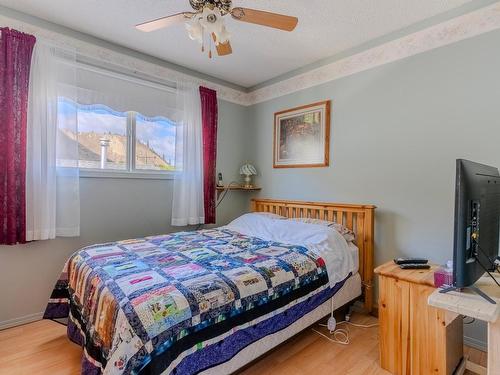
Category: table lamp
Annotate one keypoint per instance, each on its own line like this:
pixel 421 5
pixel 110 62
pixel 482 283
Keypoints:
pixel 248 170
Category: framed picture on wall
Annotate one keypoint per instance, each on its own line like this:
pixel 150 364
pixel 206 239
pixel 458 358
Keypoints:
pixel 302 136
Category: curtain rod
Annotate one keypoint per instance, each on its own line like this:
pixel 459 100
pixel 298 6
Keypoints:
pixel 103 67
pixel 85 64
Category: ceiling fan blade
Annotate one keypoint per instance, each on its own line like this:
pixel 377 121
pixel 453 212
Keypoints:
pixel 259 17
pixel 164 22
pixel 223 49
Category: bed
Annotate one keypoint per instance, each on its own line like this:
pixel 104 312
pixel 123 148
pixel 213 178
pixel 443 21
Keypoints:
pixel 214 300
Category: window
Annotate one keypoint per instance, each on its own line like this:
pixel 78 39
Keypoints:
pixel 123 123
pixel 154 143
pixel 102 137
pixel 105 137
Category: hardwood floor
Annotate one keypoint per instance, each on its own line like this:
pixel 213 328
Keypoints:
pixel 310 353
pixel 38 348
pixel 42 348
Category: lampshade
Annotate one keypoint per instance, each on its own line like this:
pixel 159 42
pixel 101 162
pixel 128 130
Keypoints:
pixel 195 30
pixel 248 170
pixel 222 36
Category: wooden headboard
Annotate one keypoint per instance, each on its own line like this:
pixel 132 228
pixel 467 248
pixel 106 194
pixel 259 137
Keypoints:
pixel 357 217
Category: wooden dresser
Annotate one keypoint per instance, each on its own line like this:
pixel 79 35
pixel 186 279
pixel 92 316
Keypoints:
pixel 415 338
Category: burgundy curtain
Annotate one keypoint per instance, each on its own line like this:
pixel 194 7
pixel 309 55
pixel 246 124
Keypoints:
pixel 15 60
pixel 209 118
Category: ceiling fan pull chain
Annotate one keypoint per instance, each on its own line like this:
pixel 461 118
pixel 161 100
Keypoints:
pixel 210 46
pixel 203 41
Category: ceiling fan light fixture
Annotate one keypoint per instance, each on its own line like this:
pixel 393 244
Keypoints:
pixel 195 29
pixel 211 20
pixel 212 23
pixel 223 36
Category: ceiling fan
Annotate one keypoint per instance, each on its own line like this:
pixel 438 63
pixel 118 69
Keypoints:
pixel 208 19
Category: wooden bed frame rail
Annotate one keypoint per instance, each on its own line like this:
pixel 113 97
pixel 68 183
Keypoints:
pixel 358 218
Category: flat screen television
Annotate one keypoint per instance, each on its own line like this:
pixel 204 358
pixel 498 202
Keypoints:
pixel 477 222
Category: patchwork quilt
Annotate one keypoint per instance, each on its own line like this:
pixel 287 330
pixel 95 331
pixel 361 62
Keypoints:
pixel 136 305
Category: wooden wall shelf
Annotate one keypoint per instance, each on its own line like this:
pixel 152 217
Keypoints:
pixel 220 189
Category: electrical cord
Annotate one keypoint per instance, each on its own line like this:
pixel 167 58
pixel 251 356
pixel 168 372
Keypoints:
pixel 221 198
pixel 353 324
pixel 225 191
pixel 340 335
pixel 488 271
pixel 361 325
pixel 492 262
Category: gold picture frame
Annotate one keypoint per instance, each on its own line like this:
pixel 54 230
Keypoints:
pixel 302 136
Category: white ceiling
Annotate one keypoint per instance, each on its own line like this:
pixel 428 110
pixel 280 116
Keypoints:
pixel 326 27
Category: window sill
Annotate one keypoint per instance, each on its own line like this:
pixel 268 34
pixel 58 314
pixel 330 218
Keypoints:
pixel 145 175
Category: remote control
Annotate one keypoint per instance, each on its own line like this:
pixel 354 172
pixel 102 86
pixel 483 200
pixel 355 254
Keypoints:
pixel 410 261
pixel 414 266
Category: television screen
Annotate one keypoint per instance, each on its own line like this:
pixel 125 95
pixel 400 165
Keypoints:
pixel 477 208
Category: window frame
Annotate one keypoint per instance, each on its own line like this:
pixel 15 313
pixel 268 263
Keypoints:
pixel 130 171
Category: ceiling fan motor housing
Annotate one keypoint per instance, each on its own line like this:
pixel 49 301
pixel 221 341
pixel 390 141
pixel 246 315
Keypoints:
pixel 223 5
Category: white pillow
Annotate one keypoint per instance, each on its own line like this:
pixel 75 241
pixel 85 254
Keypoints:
pixel 343 230
pixel 269 215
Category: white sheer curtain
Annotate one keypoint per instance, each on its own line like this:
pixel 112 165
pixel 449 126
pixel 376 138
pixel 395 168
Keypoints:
pixel 123 93
pixel 52 177
pixel 187 205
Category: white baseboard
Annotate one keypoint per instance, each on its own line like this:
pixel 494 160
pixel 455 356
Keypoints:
pixel 20 321
pixel 475 343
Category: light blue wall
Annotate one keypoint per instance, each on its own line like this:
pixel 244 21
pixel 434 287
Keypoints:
pixel 396 132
